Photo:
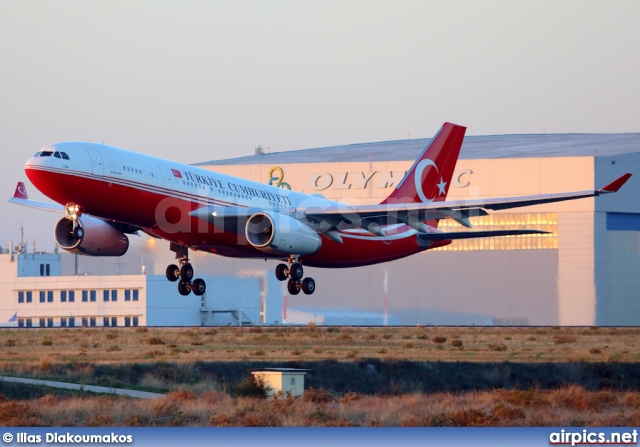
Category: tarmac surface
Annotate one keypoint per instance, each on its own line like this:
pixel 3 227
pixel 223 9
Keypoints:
pixel 90 388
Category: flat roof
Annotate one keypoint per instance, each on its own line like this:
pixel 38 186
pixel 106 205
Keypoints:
pixel 473 147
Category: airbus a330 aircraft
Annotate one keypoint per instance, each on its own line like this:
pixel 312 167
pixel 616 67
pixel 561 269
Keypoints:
pixel 107 193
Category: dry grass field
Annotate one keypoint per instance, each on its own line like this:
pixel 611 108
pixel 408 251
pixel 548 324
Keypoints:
pixel 418 376
pixel 570 406
pixel 311 343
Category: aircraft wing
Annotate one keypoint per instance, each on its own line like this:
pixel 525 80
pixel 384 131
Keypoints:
pixel 327 220
pixel 370 217
pixel 232 218
pixel 20 197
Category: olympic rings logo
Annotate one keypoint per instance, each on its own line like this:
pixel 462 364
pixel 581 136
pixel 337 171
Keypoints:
pixel 276 177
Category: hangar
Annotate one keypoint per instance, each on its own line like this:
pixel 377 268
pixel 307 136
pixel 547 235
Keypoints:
pixel 586 272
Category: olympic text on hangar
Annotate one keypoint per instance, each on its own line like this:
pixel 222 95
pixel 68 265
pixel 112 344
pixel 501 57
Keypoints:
pixel 320 181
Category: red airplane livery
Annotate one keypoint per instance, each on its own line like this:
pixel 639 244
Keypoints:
pixel 107 193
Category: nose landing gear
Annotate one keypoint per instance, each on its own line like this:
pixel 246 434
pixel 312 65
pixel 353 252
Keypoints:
pixel 295 272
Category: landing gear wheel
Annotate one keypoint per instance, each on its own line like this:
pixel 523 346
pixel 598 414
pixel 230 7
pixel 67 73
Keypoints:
pixel 173 273
pixel 308 286
pixel 293 287
pixel 184 288
pixel 296 272
pixel 186 273
pixel 281 270
pixel 199 287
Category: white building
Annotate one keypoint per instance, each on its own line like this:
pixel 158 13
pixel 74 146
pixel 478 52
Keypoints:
pixel 35 294
pixel 586 272
pixel 282 380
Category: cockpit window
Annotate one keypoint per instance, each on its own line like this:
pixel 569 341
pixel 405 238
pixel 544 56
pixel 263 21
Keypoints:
pixel 64 155
pixel 56 154
pixel 46 153
pixel 37 154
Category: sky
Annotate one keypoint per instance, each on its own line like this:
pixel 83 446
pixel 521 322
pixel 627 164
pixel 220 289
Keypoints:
pixel 203 80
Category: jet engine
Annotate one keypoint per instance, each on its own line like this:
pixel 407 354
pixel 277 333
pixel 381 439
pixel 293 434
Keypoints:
pixel 281 234
pixel 91 237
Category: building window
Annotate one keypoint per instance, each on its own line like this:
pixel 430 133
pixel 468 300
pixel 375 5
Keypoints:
pixel 135 295
pixel 293 381
pixel 506 221
pixel 47 270
pixel 114 321
pixel 85 322
pixel 92 296
pixel 127 295
pixel 72 321
pixel 20 322
pixel 42 296
pixel 21 297
pixel 63 296
pixel 29 296
pixel 92 321
pixel 114 295
pixel 29 322
pixel 127 321
pixel 72 296
pixel 41 322
pixel 49 322
pixel 105 295
pixel 85 296
pixel 63 322
pixel 105 321
pixel 135 321
pixel 50 296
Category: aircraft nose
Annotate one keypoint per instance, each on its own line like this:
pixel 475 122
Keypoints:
pixel 47 156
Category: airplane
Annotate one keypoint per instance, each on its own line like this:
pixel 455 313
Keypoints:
pixel 107 193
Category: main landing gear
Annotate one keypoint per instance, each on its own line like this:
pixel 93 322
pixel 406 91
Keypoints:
pixel 184 273
pixel 294 272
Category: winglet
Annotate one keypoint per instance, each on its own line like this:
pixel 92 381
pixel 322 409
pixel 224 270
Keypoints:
pixel 21 191
pixel 615 185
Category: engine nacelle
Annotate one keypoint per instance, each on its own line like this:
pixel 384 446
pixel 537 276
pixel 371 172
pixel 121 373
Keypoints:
pixel 281 234
pixel 93 237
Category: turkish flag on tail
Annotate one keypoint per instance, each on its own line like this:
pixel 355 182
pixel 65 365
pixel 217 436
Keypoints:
pixel 21 191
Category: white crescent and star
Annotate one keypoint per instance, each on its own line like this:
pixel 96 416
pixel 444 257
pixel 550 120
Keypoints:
pixel 21 190
pixel 418 180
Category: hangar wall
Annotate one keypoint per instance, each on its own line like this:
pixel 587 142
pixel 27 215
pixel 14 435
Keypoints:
pixel 542 280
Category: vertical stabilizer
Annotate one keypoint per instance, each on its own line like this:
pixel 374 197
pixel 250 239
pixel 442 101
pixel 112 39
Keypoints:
pixel 429 178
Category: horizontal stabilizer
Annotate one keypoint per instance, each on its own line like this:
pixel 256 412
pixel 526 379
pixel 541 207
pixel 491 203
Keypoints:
pixel 431 237
pixel 20 197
